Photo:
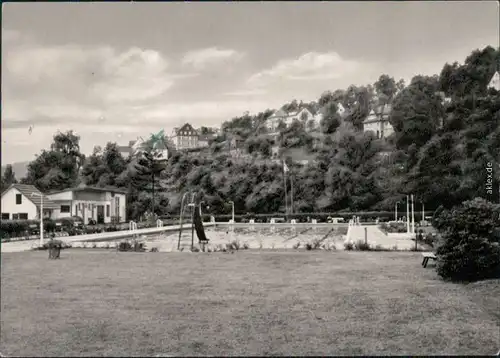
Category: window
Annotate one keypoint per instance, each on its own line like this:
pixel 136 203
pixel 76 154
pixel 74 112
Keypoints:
pixel 19 199
pixel 65 208
pixel 15 217
pixel 23 216
pixel 108 209
pixel 5 216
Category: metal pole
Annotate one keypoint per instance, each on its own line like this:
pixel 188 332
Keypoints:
pixel 232 206
pixel 396 212
pixel 286 201
pixel 407 215
pixel 41 221
pixel 412 215
pixel 366 236
pixel 423 213
pixel 153 194
pixel 291 193
pixel 180 221
pixel 192 220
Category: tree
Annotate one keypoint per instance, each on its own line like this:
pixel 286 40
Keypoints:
pixel 331 119
pixel 59 167
pixel 8 178
pixel 386 89
pixel 416 112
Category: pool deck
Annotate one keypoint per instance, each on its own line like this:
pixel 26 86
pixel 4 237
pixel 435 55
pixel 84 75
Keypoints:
pixel 26 245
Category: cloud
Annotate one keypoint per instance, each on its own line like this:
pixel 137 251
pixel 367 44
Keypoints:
pixel 97 73
pixel 309 66
pixel 200 59
pixel 244 93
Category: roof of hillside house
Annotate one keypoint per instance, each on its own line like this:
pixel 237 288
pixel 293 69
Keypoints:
pixel 206 137
pixel 124 149
pixel 282 113
pixel 186 128
pixel 34 195
pixel 84 187
pixel 380 113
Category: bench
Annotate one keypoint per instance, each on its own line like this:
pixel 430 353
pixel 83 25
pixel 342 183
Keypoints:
pixel 427 256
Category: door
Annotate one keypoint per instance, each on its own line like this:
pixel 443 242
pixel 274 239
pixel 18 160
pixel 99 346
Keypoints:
pixel 100 214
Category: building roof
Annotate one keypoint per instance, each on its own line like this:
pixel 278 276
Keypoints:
pixel 124 149
pixel 36 198
pixel 379 114
pixel 495 81
pixel 282 113
pixel 92 188
pixel 206 137
pixel 184 128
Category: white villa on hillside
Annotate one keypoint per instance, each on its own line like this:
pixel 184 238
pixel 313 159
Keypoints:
pixel 378 121
pixel 287 118
pixel 495 81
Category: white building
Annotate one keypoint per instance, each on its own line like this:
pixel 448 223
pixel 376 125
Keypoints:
pixel 495 81
pixel 104 205
pixel 23 202
pixel 378 121
pixel 287 118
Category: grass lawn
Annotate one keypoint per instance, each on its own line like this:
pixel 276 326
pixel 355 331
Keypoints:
pixel 105 303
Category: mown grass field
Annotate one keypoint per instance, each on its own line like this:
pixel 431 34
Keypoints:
pixel 105 303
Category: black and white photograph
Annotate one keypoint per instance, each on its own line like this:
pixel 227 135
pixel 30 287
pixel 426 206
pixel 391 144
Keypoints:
pixel 250 178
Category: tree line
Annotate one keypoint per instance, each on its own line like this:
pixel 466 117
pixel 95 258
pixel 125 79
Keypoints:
pixel 439 152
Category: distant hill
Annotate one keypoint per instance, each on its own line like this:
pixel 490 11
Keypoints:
pixel 20 169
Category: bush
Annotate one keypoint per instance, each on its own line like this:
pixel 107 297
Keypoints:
pixel 52 244
pixel 195 249
pixel 469 249
pixel 124 246
pixel 49 225
pixel 362 246
pixel 297 245
pixel 154 249
pixel 246 246
pixel 349 246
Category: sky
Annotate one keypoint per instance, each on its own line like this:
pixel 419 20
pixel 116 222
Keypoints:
pixel 116 71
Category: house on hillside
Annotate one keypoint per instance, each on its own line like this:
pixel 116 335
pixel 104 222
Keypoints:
pixel 314 123
pixel 126 150
pixel 302 115
pixel 185 137
pixel 135 147
pixel 205 140
pixel 104 205
pixel 378 121
pixel 495 81
pixel 23 202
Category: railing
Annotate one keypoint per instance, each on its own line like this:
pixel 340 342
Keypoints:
pixel 132 226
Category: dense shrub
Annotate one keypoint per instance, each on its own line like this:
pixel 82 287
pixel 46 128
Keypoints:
pixel 349 245
pixel 132 245
pixel 124 246
pixel 470 246
pixel 53 244
pixel 393 227
pixel 362 246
